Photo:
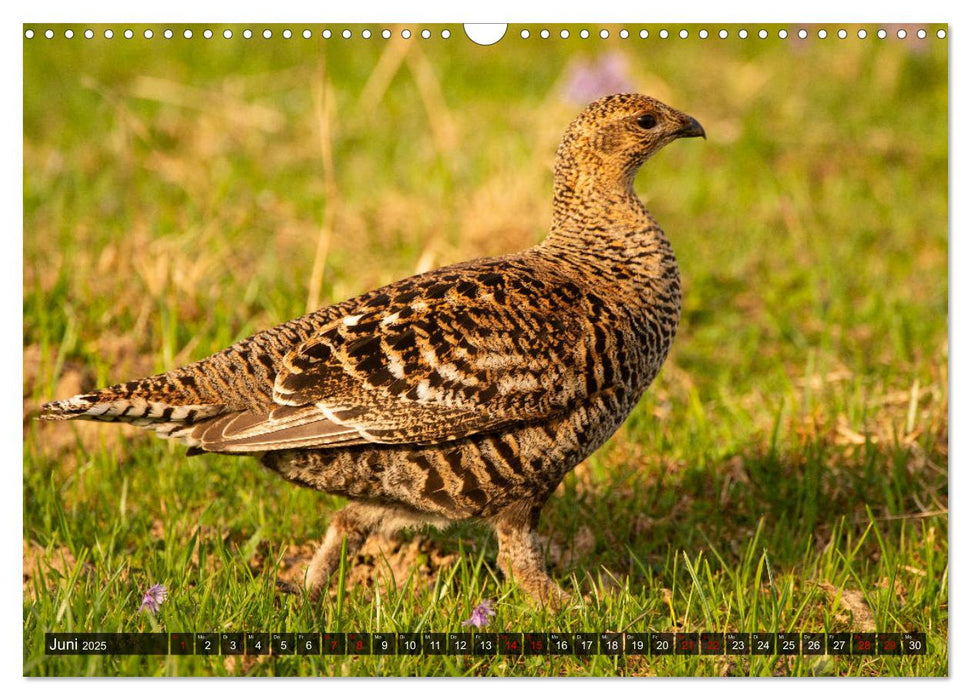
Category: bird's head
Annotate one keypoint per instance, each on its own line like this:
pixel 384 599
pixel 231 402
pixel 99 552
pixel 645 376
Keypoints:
pixel 613 137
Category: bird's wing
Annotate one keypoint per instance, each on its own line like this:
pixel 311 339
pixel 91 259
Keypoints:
pixel 424 361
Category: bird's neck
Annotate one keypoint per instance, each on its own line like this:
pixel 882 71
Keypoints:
pixel 602 231
pixel 601 216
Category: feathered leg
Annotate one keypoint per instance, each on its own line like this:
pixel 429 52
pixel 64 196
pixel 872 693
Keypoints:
pixel 521 555
pixel 353 523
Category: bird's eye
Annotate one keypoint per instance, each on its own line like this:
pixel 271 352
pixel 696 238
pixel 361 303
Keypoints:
pixel 647 121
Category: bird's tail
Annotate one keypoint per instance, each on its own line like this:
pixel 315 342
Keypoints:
pixel 106 405
pixel 153 402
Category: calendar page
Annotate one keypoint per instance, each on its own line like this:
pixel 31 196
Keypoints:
pixel 457 350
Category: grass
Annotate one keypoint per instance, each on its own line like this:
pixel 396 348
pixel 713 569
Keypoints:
pixel 786 472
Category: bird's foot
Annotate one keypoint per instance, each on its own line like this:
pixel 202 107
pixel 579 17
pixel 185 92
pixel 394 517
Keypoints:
pixel 521 559
pixel 547 593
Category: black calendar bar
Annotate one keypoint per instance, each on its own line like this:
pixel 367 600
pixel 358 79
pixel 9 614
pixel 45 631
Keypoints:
pixel 580 644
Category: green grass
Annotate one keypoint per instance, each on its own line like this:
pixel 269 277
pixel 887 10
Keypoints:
pixel 786 472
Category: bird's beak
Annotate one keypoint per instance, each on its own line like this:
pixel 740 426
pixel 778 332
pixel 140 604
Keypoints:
pixel 691 128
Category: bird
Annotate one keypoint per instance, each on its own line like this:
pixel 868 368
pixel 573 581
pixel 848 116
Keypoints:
pixel 464 393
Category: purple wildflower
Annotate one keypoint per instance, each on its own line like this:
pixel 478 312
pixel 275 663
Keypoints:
pixel 153 598
pixel 587 80
pixel 480 614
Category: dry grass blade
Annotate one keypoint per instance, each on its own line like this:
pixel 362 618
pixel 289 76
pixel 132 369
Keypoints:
pixel 324 108
pixel 426 261
pixel 384 72
pixel 433 99
pixel 136 125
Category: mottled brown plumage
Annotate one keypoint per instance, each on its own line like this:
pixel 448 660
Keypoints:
pixel 465 392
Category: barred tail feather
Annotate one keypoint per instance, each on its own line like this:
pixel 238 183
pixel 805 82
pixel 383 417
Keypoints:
pixel 66 409
pixel 107 405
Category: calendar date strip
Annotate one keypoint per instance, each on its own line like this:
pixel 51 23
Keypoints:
pixel 488 643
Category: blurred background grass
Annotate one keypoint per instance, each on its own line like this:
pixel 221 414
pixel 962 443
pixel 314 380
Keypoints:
pixel 182 194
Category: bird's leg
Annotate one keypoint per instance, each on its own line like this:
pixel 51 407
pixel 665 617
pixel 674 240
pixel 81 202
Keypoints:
pixel 521 556
pixel 352 524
